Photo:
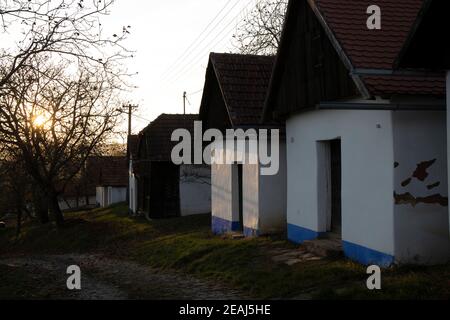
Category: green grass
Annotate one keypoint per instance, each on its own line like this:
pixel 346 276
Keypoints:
pixel 187 245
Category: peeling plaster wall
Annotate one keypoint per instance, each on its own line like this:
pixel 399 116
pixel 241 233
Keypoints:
pixel 195 189
pixel 421 187
pixel 367 174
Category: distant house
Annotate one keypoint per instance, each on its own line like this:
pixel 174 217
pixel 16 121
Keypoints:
pixel 243 200
pixel 366 144
pixel 165 189
pixel 78 194
pixel 132 149
pixel 109 174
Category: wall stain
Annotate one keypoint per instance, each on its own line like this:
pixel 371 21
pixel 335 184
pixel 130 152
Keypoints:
pixel 433 186
pixel 406 182
pixel 408 198
pixel 421 172
pixel 396 164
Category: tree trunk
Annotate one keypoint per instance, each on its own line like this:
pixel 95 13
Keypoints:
pixel 19 221
pixel 40 203
pixel 57 213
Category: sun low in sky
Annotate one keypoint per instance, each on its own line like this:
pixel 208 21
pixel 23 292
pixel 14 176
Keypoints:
pixel 172 40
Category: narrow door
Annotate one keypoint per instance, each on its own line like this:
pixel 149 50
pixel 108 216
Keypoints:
pixel 336 187
pixel 241 196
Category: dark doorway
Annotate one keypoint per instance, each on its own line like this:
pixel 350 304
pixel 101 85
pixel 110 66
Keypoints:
pixel 164 195
pixel 336 187
pixel 240 168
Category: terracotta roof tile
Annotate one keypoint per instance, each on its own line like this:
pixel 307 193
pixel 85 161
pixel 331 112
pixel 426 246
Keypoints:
pixel 107 171
pixel 376 49
pixel 244 80
pixel 379 49
pixel 155 141
pixel 402 85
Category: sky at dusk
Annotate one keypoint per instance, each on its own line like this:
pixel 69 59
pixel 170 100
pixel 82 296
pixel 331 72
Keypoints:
pixel 172 40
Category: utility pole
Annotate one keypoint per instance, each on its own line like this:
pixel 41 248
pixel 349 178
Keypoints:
pixel 185 98
pixel 184 102
pixel 129 109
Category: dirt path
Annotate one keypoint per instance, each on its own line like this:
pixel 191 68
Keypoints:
pixel 108 279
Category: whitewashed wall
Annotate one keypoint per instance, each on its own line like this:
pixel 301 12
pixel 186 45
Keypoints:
pixel 421 229
pixel 73 203
pixel 132 189
pixel 195 190
pixel 100 196
pixel 106 196
pixel 251 197
pixel 367 174
pixel 264 197
pixel 117 195
pixel 224 198
pixel 273 199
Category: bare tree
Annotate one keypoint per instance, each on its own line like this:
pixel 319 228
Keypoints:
pixel 58 87
pixel 67 30
pixel 260 31
pixel 56 120
pixel 15 186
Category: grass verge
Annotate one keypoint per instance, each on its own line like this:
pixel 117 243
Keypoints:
pixel 187 245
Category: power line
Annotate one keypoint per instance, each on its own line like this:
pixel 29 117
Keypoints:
pixel 141 118
pixel 194 93
pixel 193 62
pixel 175 64
pixel 180 63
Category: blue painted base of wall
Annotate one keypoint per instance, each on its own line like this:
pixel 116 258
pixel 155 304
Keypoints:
pixel 353 251
pixel 221 226
pixel 250 233
pixel 299 235
pixel 367 256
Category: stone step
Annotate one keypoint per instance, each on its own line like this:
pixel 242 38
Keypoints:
pixel 329 248
pixel 237 236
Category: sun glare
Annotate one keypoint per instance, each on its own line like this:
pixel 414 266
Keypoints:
pixel 39 121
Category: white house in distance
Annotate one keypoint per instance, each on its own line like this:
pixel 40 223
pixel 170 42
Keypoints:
pixel 109 174
pixel 366 144
pixel 422 51
pixel 243 200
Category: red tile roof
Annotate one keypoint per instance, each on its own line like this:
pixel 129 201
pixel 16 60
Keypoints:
pixel 244 81
pixel 155 141
pixel 375 49
pixel 378 49
pixel 405 85
pixel 107 171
